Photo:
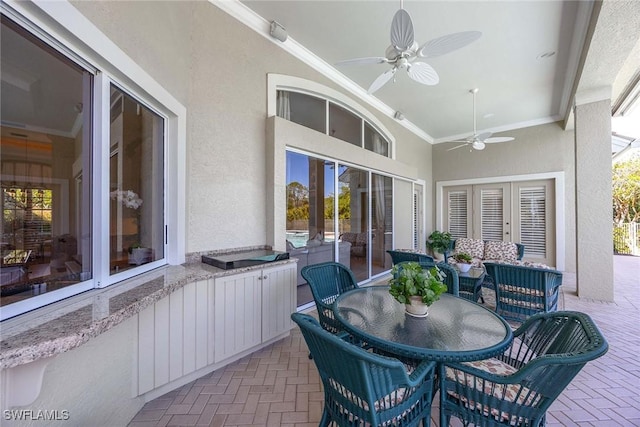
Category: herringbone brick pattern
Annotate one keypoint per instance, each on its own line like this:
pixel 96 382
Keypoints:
pixel 279 385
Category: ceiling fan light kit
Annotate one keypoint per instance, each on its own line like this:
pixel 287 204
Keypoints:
pixel 404 51
pixel 479 141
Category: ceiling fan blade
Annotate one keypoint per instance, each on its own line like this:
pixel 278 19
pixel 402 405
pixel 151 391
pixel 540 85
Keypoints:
pixel 483 136
pixel 401 30
pixel 381 80
pixel 423 73
pixel 478 145
pixel 364 61
pixel 459 146
pixel 448 43
pixel 496 139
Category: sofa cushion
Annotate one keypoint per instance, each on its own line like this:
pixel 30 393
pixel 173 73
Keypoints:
pixel 498 250
pixel 349 237
pixel 474 247
pixel 361 239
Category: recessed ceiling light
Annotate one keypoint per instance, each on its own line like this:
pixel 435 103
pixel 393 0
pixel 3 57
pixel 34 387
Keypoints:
pixel 546 55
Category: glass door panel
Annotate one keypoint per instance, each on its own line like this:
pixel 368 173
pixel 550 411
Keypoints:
pixel 381 222
pixel 353 190
pixel 310 231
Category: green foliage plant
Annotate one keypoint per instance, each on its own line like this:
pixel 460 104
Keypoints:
pixel 410 279
pixel 626 190
pixel 462 257
pixel 439 241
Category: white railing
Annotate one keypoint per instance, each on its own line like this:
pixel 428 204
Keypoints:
pixel 626 238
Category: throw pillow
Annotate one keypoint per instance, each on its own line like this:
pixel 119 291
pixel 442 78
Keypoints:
pixel 497 250
pixel 474 247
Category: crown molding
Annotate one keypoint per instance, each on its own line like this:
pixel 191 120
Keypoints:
pixel 505 128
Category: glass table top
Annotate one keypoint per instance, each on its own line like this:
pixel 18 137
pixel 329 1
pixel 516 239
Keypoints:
pixel 455 329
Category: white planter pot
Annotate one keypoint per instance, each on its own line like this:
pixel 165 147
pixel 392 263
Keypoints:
pixel 139 256
pixel 464 268
pixel 417 308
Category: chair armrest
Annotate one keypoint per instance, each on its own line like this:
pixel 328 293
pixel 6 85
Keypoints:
pixel 425 368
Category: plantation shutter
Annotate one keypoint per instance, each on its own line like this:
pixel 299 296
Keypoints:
pixel 533 220
pixel 458 213
pixel 492 214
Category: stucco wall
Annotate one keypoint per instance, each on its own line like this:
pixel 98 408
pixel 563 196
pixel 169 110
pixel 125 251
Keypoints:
pixel 536 149
pixel 218 68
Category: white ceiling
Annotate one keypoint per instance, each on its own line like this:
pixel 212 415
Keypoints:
pixel 516 87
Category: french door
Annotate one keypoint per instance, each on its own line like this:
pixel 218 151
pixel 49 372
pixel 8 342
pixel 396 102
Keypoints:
pixel 520 212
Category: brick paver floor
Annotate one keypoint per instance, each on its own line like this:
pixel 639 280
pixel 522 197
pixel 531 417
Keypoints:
pixel 279 385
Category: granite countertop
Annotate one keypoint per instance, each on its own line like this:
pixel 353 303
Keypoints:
pixel 67 324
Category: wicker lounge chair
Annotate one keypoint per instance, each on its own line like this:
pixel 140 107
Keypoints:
pixel 363 388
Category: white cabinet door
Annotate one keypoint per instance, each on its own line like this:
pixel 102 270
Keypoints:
pixel 278 299
pixel 238 313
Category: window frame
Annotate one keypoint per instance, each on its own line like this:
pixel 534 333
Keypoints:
pixel 281 82
pixel 62 27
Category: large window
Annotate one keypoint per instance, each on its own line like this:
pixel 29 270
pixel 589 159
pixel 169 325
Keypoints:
pixel 311 112
pixel 135 183
pixel 54 185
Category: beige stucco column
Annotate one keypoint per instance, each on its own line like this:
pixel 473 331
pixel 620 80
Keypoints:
pixel 594 227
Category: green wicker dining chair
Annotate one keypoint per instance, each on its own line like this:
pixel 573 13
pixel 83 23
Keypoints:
pixel 401 256
pixel 363 388
pixel 327 281
pixel 524 291
pixel 518 386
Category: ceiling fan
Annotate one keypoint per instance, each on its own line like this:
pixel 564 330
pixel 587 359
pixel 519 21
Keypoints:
pixel 478 141
pixel 404 51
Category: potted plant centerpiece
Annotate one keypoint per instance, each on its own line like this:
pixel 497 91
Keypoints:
pixel 463 261
pixel 415 287
pixel 439 243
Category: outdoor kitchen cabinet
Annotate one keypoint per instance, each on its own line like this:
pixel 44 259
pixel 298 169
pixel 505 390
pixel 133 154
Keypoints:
pixel 210 323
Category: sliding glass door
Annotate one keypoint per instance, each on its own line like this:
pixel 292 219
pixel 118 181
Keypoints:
pixel 337 212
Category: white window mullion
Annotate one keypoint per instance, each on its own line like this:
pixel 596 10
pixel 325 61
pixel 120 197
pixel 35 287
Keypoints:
pixel 100 211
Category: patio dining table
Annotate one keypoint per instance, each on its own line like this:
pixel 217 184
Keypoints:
pixel 455 330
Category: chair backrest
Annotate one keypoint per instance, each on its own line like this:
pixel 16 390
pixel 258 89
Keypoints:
pixel 401 256
pixel 451 278
pixel 361 387
pixel 524 291
pixel 550 349
pixel 547 352
pixel 327 281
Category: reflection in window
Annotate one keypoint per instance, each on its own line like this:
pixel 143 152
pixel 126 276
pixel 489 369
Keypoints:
pixel 375 142
pixel 354 184
pixel 381 222
pixel 310 111
pixel 344 125
pixel 310 215
pixel 135 183
pixel 43 148
pixel 302 109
